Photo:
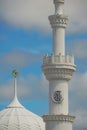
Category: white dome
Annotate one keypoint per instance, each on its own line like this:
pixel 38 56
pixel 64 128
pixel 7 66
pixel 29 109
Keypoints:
pixel 16 117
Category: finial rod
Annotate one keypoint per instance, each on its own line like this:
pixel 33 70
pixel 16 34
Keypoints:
pixel 15 74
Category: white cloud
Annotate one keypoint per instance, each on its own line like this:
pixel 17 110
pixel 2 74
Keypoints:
pixel 81 119
pixel 31 13
pixel 28 87
pixel 19 58
pixel 26 13
pixel 78 90
pixel 78 99
pixel 76 11
pixel 78 47
pixel 39 86
pixel 7 90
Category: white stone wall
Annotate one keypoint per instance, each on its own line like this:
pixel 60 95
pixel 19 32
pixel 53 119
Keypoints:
pixel 59 41
pixel 58 125
pixel 58 108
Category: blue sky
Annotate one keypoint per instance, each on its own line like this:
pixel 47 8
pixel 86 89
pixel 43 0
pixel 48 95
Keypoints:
pixel 25 36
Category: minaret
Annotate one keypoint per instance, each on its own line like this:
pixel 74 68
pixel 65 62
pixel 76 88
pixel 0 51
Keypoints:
pixel 58 69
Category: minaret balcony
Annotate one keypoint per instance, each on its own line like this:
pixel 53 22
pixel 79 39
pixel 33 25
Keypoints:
pixel 58 20
pixel 58 59
pixel 58 67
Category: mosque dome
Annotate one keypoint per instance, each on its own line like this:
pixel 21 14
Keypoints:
pixel 17 117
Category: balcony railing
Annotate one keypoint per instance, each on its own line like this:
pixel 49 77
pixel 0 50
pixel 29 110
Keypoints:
pixel 58 59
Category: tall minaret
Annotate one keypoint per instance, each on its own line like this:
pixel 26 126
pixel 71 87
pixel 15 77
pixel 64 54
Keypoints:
pixel 58 69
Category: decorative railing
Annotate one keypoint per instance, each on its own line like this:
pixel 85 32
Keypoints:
pixel 58 59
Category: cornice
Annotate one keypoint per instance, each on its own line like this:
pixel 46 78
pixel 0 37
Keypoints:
pixel 58 73
pixel 66 118
pixel 58 1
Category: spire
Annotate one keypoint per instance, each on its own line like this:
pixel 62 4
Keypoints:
pixel 15 103
pixel 15 74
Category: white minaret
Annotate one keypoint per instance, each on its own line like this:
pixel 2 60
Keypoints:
pixel 58 69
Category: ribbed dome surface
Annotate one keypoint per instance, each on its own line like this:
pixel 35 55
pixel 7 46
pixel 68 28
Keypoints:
pixel 16 117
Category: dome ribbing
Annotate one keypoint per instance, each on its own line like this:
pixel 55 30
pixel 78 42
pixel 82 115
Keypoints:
pixel 17 117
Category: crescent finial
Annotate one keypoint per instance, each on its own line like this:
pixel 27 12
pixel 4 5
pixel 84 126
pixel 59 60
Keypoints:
pixel 15 73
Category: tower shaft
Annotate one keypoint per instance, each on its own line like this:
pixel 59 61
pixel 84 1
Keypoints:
pixel 54 107
pixel 58 23
pixel 59 41
pixel 58 69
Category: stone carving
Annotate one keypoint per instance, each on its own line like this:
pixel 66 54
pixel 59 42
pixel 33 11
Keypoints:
pixel 58 73
pixel 57 97
pixel 66 118
pixel 58 20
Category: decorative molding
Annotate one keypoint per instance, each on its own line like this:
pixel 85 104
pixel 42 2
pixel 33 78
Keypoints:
pixel 67 118
pixel 58 1
pixel 58 21
pixel 54 73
